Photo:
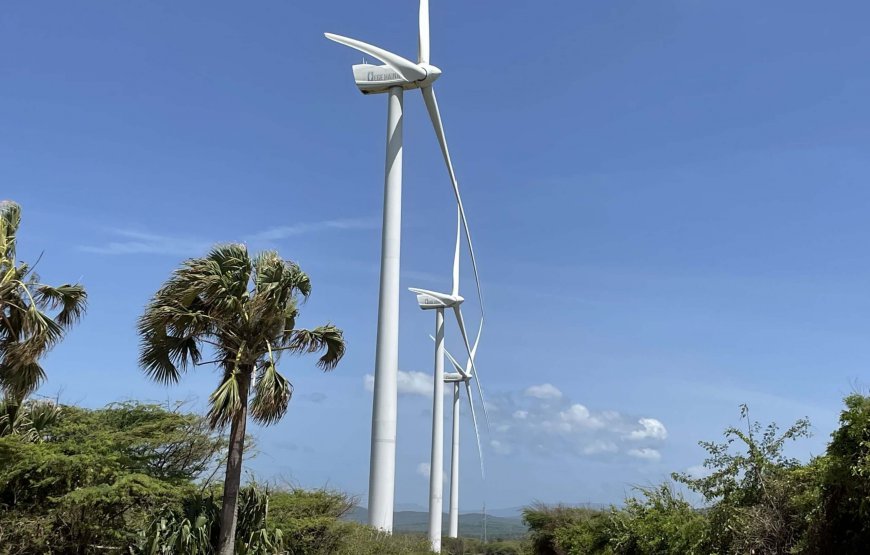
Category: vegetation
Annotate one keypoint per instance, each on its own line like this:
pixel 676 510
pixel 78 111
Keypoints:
pixel 245 309
pixel 28 329
pixel 93 478
pixel 138 478
pixel 759 501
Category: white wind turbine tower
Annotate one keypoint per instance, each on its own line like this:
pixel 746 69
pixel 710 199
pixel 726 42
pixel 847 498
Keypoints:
pixel 394 77
pixel 462 376
pixel 432 300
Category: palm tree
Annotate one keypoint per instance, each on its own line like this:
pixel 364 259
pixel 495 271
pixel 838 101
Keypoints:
pixel 27 329
pixel 244 309
pixel 30 420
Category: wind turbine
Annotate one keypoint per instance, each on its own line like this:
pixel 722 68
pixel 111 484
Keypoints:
pixel 393 77
pixel 462 376
pixel 432 300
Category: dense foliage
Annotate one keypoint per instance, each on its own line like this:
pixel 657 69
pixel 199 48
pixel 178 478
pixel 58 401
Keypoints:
pixel 758 501
pixel 92 479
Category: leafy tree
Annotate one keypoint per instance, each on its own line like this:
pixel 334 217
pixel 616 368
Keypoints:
pixel 754 489
pixel 245 309
pixel 310 519
pixel 548 522
pixel 28 329
pixel 659 522
pixel 842 523
pixel 95 477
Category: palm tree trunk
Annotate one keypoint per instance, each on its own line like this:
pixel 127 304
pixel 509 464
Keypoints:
pixel 233 476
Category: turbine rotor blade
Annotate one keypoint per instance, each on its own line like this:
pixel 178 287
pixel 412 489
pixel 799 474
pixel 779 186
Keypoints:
pixel 455 364
pixel 476 430
pixel 423 42
pixel 435 116
pixel 456 254
pixel 406 68
pixel 476 343
pixel 453 361
pixel 482 400
pixel 457 310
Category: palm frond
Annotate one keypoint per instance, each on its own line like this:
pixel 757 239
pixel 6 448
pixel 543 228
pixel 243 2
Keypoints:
pixel 226 401
pixel 22 379
pixel 10 219
pixel 272 395
pixel 326 337
pixel 155 358
pixel 71 299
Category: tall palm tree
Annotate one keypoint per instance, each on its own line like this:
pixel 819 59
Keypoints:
pixel 244 310
pixel 28 330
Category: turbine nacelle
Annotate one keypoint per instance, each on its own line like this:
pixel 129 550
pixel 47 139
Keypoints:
pixel 374 79
pixel 429 300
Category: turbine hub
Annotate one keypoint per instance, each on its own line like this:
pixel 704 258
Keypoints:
pixel 432 73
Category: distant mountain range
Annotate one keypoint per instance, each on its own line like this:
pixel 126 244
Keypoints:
pixel 470 524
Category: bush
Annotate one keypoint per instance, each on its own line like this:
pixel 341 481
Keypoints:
pixel 94 477
pixel 551 524
pixel 842 522
pixel 358 539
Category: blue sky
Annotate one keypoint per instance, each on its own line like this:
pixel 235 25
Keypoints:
pixel 668 201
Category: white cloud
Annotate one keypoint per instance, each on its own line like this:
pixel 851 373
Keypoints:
pixel 284 232
pixel 578 416
pixel 698 471
pixel 544 391
pixel 415 383
pixel 409 383
pixel 499 447
pixel 645 453
pixel 600 446
pixel 542 420
pixel 424 469
pixel 650 429
pixel 137 242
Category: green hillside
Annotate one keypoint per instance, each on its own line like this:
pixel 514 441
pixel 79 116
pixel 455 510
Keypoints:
pixel 470 525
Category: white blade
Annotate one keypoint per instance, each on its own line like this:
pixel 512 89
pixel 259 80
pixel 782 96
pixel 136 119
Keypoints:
pixel 470 368
pixel 453 361
pixel 457 310
pixel 423 42
pixel 482 400
pixel 406 68
pixel 456 364
pixel 476 343
pixel 456 255
pixel 476 431
pixel 435 116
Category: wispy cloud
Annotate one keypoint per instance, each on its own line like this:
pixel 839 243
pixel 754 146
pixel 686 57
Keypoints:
pixel 544 391
pixel 129 241
pixel 285 232
pixel 645 453
pixel 137 242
